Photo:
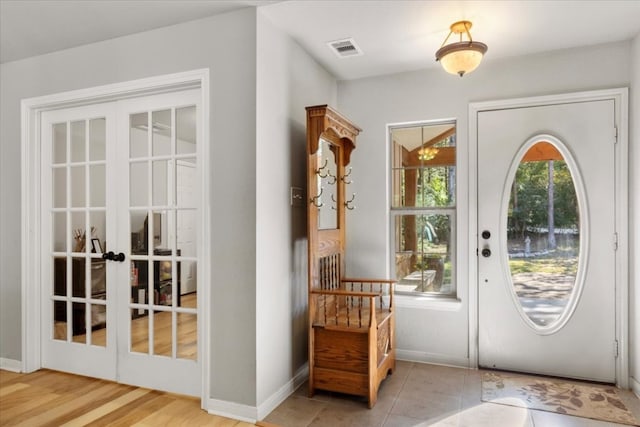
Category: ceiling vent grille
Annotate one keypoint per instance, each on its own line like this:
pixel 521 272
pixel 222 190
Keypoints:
pixel 345 48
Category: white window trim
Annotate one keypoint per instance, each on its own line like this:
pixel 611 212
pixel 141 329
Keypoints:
pixel 31 110
pixel 424 301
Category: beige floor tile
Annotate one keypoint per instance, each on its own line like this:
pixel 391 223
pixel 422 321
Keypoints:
pixel 295 412
pixel 422 395
pixel 337 415
pixel 427 407
pixel 493 415
pixel 550 419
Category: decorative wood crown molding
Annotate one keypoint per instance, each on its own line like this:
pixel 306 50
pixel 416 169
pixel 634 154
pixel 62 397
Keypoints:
pixel 321 120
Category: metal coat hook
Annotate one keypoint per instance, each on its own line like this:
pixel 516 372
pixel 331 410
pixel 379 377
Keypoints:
pixel 348 204
pixel 320 169
pixel 344 178
pixel 335 202
pixel 333 179
pixel 314 200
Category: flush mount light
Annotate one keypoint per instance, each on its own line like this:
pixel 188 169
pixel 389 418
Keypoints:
pixel 460 57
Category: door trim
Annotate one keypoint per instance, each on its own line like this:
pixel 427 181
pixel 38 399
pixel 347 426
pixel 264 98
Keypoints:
pixel 31 110
pixel 620 98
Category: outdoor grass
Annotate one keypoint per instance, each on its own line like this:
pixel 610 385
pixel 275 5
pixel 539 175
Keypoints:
pixel 544 264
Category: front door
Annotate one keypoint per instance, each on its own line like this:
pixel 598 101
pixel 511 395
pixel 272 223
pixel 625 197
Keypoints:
pixel 114 226
pixel 546 239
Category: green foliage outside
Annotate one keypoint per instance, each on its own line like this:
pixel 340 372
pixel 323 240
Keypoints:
pixel 528 206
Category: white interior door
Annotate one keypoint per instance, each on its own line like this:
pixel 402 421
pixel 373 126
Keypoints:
pixel 547 299
pixel 113 255
pixel 157 324
pixel 78 217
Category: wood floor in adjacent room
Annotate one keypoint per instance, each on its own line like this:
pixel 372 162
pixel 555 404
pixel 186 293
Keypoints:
pixel 50 398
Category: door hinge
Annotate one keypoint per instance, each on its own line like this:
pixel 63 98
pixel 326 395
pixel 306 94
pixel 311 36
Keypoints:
pixel 616 350
pixel 615 241
pixel 615 134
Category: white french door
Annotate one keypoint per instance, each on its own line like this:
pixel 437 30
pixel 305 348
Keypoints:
pixel 546 239
pixel 158 319
pixel 112 296
pixel 77 284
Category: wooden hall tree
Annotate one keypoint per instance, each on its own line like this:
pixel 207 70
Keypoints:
pixel 351 320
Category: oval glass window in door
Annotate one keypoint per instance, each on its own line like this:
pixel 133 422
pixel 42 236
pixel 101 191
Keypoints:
pixel 543 235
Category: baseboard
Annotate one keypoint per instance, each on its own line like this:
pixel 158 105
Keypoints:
pixel 251 414
pixel 10 365
pixel 285 391
pixel 635 386
pixel 236 411
pixel 432 358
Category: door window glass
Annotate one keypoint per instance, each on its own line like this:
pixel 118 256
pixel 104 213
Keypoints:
pixel 543 234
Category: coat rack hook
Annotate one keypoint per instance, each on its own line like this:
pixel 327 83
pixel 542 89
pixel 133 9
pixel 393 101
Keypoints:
pixel 320 170
pixel 314 200
pixel 344 178
pixel 348 203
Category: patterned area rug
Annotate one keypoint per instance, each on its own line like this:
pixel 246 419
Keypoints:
pixel 581 400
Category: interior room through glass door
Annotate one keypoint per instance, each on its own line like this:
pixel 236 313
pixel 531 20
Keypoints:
pixel 77 217
pixel 158 317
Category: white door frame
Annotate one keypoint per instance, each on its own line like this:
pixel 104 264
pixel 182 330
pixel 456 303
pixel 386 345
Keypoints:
pixel 620 98
pixel 31 110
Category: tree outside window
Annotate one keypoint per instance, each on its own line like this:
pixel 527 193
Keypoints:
pixel 423 207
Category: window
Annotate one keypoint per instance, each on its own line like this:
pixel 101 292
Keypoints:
pixel 423 207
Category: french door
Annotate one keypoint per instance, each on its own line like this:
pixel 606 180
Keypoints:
pixel 546 239
pixel 119 241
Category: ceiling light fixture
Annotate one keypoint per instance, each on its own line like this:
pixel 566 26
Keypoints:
pixel 460 57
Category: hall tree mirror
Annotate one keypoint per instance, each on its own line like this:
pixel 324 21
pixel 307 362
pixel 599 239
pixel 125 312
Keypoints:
pixel 327 177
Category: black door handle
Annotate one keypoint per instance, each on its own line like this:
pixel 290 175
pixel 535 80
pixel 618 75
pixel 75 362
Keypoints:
pixel 486 252
pixel 113 257
pixel 486 234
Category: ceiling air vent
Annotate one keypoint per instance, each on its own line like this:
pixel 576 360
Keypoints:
pixel 345 48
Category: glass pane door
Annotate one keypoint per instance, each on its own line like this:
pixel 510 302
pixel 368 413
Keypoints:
pixel 76 314
pixel 162 210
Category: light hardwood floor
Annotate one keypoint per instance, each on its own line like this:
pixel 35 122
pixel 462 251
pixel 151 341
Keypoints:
pixel 50 398
pixel 186 332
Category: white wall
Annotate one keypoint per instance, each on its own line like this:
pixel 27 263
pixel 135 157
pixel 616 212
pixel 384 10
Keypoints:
pixel 440 334
pixel 634 215
pixel 288 80
pixel 226 45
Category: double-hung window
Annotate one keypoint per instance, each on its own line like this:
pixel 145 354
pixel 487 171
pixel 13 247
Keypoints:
pixel 423 207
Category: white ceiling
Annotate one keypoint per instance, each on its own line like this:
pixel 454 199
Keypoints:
pixel 394 35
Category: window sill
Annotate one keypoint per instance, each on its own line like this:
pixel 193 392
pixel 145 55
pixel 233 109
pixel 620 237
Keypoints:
pixel 427 302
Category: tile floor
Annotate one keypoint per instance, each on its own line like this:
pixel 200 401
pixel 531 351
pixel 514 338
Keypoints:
pixel 421 395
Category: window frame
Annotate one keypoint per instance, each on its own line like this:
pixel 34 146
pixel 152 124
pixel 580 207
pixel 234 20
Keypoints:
pixel 452 210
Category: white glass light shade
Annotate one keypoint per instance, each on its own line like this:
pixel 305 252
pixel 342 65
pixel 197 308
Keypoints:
pixel 461 58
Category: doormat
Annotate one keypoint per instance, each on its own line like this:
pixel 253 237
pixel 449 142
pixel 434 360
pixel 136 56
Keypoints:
pixel 598 402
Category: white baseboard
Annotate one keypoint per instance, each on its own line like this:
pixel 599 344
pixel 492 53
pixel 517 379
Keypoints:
pixel 433 358
pixel 635 386
pixel 251 414
pixel 10 365
pixel 285 391
pixel 236 411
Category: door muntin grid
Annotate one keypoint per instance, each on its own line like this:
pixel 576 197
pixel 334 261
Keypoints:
pixel 163 321
pixel 78 217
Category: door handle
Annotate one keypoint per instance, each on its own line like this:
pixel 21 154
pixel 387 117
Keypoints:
pixel 486 252
pixel 120 257
pixel 486 234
